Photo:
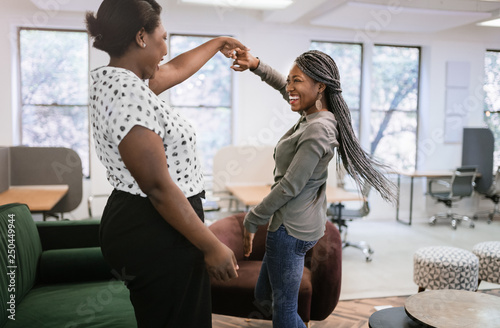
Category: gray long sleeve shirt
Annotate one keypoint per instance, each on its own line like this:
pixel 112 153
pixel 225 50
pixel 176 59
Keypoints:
pixel 298 196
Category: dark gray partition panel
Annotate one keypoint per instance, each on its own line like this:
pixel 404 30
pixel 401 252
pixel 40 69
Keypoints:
pixel 4 169
pixel 48 166
pixel 477 149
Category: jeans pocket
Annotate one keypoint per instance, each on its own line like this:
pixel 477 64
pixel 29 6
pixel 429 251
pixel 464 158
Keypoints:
pixel 301 247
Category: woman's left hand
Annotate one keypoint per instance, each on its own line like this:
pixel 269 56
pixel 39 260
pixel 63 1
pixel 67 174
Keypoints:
pixel 230 45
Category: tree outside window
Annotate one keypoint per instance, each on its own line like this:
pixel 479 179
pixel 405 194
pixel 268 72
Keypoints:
pixel 394 102
pixel 205 100
pixel 492 98
pixel 348 57
pixel 54 67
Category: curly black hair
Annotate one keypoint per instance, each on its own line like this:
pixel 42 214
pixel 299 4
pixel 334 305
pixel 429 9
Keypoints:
pixel 117 22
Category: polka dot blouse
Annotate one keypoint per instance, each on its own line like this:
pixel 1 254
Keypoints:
pixel 119 100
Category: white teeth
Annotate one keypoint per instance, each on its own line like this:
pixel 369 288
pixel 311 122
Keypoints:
pixel 293 97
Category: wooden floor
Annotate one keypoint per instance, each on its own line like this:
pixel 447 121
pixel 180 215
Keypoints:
pixel 347 314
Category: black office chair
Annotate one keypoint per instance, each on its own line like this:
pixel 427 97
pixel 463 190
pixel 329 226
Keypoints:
pixel 460 186
pixel 339 215
pixel 492 194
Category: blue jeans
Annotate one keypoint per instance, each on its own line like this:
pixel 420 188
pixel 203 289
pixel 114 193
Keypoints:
pixel 279 280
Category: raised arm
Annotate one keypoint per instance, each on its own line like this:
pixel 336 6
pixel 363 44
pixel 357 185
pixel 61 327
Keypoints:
pixel 186 64
pixel 245 60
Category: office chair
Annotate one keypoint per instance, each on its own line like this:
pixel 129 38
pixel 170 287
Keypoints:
pixel 460 186
pixel 48 166
pixel 90 201
pixel 338 215
pixel 494 195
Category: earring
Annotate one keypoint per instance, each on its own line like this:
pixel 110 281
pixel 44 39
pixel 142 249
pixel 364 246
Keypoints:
pixel 144 45
pixel 319 104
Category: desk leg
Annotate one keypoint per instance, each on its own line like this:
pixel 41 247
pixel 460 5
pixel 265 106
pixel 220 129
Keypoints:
pixel 341 223
pixel 399 195
pixel 411 201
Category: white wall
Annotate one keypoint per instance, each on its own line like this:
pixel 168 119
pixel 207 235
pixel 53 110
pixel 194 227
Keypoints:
pixel 261 116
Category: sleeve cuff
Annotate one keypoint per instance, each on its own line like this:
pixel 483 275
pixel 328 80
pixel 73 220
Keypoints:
pixel 258 65
pixel 261 70
pixel 252 228
pixel 252 222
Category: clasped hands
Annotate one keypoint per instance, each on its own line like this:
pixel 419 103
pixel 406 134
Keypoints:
pixel 243 59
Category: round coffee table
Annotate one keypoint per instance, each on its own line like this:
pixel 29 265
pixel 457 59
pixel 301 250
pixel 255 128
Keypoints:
pixel 454 309
pixel 394 317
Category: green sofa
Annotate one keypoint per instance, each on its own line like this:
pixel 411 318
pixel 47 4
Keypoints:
pixel 52 274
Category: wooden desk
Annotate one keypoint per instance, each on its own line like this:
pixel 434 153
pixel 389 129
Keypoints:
pixel 251 195
pixel 454 309
pixel 413 175
pixel 41 198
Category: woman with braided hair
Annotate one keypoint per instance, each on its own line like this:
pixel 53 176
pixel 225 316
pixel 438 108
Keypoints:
pixel 296 206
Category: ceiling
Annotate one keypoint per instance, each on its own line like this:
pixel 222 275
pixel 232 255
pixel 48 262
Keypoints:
pixel 424 16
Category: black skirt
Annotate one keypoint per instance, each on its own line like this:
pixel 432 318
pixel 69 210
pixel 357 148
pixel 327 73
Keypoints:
pixel 166 274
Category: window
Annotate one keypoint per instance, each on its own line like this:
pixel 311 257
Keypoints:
pixel 348 57
pixel 205 99
pixel 492 98
pixel 54 68
pixel 394 105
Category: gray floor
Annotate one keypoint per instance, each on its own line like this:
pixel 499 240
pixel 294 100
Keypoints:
pixel 390 273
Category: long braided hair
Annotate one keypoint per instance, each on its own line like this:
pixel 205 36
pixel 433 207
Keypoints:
pixel 357 162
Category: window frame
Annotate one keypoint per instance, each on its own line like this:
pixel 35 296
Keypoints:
pixel 231 106
pixel 417 110
pixel 361 77
pixel 21 104
pixel 487 112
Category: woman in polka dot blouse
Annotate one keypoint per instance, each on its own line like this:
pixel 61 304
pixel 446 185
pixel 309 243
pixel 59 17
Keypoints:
pixel 152 228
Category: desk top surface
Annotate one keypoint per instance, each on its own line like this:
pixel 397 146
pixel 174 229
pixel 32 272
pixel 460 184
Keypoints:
pixel 454 309
pixel 429 173
pixel 426 173
pixel 251 195
pixel 39 198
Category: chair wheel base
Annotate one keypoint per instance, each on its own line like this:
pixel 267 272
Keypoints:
pixel 455 220
pixel 362 246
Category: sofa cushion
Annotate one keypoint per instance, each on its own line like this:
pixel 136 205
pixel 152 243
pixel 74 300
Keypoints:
pixel 68 234
pixel 73 265
pixel 18 268
pixel 96 304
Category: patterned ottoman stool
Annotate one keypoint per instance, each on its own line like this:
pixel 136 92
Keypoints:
pixel 443 267
pixel 489 261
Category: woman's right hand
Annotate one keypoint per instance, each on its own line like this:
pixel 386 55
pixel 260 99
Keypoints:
pixel 221 263
pixel 247 242
pixel 244 60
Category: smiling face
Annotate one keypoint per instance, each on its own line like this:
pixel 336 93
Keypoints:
pixel 155 50
pixel 302 90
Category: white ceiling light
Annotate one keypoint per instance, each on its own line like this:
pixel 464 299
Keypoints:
pixel 248 4
pixel 494 21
